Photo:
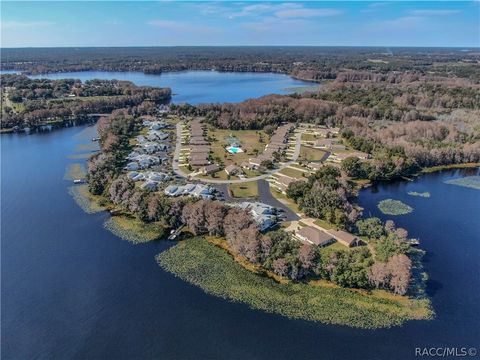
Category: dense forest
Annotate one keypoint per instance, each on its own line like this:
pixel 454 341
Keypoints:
pixel 405 120
pixel 309 63
pixel 29 103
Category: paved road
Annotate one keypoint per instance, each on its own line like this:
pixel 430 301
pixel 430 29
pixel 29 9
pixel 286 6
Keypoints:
pixel 179 172
pixel 266 197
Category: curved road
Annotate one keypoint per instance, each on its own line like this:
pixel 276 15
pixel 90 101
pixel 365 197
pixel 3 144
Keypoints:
pixel 179 172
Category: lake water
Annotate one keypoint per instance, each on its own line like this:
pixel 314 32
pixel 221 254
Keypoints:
pixel 71 289
pixel 196 87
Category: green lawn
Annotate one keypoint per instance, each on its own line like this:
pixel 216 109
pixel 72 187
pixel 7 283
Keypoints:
pixel 294 173
pixel 288 202
pixel 311 154
pixel 309 137
pixel 324 224
pixel 244 190
pixel 250 142
pixel 251 173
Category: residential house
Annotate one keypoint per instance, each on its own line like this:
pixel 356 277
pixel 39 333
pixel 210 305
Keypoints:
pixel 135 176
pixel 339 157
pixel 345 238
pixel 263 214
pixel 210 169
pixel 132 166
pixel 149 186
pixel 233 170
pixel 281 182
pixel 313 235
pixel 314 165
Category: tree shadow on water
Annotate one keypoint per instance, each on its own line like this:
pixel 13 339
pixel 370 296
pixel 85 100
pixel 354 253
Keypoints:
pixel 432 287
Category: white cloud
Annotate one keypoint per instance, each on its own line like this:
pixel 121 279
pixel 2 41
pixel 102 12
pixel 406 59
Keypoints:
pixel 170 25
pixel 263 8
pixel 24 24
pixel 182 26
pixel 304 13
pixel 403 23
pixel 434 12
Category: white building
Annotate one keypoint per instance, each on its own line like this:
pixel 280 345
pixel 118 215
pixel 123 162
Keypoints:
pixel 263 214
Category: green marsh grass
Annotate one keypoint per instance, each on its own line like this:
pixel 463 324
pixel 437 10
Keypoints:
pixel 216 272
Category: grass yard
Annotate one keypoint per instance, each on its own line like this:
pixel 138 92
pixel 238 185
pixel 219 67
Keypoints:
pixel 219 175
pixel 251 173
pixel 324 224
pixel 249 139
pixel 244 190
pixel 311 154
pixel 309 137
pixel 297 174
pixel 285 200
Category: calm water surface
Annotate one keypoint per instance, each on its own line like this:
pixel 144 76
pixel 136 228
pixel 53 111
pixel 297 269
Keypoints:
pixel 196 87
pixel 71 289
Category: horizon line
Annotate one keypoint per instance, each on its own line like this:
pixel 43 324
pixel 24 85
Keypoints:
pixel 240 46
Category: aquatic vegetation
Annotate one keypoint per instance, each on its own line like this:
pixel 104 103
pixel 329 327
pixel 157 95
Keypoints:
pixel 472 182
pixel 134 230
pixel 75 171
pixel 88 202
pixel 425 194
pixel 215 271
pixel 394 207
pixel 81 155
pixel 91 146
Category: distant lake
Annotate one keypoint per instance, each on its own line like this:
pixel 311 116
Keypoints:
pixel 71 289
pixel 196 87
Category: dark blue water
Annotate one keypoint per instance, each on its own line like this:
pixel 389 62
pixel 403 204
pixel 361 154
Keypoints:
pixel 196 87
pixel 70 289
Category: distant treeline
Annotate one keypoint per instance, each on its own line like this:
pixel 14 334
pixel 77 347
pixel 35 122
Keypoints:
pixel 309 63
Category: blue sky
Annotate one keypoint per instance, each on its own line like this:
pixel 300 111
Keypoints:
pixel 165 23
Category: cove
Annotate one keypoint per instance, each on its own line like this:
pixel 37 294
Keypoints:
pixel 71 289
pixel 196 87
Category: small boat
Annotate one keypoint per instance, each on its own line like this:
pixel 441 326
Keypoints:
pixel 78 181
pixel 413 242
pixel 95 139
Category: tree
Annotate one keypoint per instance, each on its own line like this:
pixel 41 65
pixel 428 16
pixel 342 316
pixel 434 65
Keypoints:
pixel 193 215
pixel 400 267
pixel 120 190
pixel 267 164
pixel 214 215
pixel 158 207
pixel 297 189
pixel 353 167
pixel 379 275
pixel 280 267
pixel 390 245
pixel 371 227
pixel 249 244
pixel 269 130
pixel 309 259
pixel 234 221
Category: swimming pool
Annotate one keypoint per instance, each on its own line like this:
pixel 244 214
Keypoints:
pixel 234 150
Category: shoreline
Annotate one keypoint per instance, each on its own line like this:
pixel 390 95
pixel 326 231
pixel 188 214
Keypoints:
pixel 215 271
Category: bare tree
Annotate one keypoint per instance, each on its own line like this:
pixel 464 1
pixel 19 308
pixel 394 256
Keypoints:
pixel 400 267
